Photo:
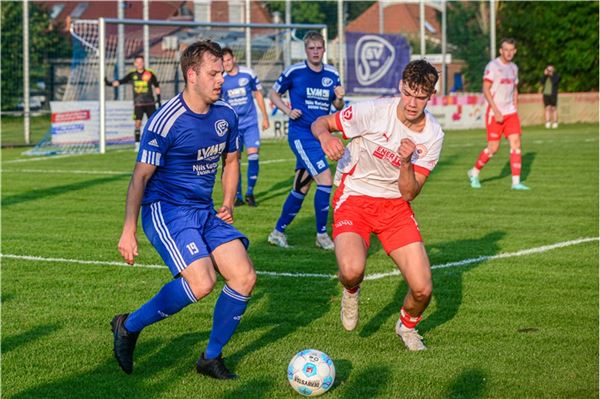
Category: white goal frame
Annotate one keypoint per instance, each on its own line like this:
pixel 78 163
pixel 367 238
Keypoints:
pixel 247 27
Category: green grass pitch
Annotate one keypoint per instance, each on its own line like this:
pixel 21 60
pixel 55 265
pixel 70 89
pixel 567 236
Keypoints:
pixel 524 325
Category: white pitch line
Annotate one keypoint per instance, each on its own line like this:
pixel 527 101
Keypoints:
pixel 67 171
pixel 470 261
pixel 48 158
pixel 375 276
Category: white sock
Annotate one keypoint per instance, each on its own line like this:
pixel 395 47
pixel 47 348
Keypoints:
pixel 516 180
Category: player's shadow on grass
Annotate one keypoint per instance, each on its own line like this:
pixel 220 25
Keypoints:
pixel 158 368
pixel 470 384
pixel 281 188
pixel 367 383
pixel 283 305
pixel 12 342
pixel 33 195
pixel 447 281
pixel 526 162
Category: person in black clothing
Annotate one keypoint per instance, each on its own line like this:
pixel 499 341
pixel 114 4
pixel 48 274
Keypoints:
pixel 142 80
pixel 550 84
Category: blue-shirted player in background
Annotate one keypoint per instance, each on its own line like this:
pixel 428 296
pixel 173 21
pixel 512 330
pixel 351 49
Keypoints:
pixel 173 182
pixel 313 87
pixel 239 86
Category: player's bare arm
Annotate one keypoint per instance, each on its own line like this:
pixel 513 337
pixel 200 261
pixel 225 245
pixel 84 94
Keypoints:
pixel 128 246
pixel 340 92
pixel 487 93
pixel 231 170
pixel 410 182
pixel 263 109
pixel 322 129
pixel 279 103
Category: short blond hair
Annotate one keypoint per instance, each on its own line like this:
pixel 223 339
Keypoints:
pixel 313 36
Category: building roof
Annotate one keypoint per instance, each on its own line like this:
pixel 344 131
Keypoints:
pixel 399 18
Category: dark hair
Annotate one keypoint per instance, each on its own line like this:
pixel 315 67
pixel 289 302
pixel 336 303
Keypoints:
pixel 138 56
pixel 228 50
pixel 420 74
pixel 192 56
pixel 508 40
pixel 313 36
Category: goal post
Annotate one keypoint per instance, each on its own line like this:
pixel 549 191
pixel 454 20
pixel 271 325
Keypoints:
pixel 247 28
pixel 92 117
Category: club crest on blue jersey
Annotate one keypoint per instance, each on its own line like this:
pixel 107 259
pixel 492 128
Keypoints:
pixel 243 81
pixel 221 127
pixel 326 81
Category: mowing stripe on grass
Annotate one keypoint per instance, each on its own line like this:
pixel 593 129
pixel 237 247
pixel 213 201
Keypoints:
pixel 109 172
pixel 375 276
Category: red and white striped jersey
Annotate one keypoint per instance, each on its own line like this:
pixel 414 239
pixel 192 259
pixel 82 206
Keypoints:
pixel 504 79
pixel 371 164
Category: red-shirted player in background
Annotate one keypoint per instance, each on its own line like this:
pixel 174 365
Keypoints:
pixel 395 144
pixel 500 90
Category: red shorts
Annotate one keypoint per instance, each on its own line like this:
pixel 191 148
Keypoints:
pixel 510 125
pixel 392 220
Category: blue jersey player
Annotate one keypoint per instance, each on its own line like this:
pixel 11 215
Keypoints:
pixel 173 182
pixel 240 85
pixel 312 87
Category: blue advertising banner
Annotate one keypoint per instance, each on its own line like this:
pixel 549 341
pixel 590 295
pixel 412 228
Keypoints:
pixel 375 63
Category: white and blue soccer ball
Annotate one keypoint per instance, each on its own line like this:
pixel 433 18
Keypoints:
pixel 311 372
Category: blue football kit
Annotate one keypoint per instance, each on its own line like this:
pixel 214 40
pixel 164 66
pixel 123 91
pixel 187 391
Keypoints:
pixel 312 93
pixel 178 214
pixel 238 91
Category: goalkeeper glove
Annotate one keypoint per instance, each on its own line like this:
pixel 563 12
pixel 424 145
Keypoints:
pixel 158 100
pixel 107 82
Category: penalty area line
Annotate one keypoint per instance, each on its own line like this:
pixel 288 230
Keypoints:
pixel 375 276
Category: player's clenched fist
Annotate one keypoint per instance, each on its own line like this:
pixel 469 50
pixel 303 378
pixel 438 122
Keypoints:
pixel 339 91
pixel 406 149
pixel 332 146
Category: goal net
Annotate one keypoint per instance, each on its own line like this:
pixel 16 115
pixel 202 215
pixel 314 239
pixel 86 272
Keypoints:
pixel 76 118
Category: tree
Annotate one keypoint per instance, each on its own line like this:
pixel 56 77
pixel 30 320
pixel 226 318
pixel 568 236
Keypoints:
pixel 468 38
pixel 562 33
pixel 44 42
pixel 320 12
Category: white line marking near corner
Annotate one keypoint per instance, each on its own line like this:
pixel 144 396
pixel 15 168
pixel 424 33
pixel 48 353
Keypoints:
pixel 470 261
pixel 375 276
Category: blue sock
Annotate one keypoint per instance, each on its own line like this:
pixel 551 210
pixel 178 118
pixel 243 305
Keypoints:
pixel 322 207
pixel 239 188
pixel 172 297
pixel 252 173
pixel 290 209
pixel 229 309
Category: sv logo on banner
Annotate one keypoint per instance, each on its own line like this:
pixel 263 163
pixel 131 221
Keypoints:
pixel 375 62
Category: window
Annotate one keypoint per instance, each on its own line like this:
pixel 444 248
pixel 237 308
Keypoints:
pixel 79 10
pixel 56 10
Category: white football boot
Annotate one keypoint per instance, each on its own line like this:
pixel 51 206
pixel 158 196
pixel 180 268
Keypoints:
pixel 349 311
pixel 323 241
pixel 278 238
pixel 411 338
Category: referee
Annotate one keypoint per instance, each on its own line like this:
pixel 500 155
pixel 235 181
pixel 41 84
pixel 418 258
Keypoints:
pixel 142 80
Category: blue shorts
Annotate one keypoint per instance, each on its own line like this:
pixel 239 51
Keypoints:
pixel 249 136
pixel 309 155
pixel 182 235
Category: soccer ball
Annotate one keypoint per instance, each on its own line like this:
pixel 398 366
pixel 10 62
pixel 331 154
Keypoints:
pixel 311 372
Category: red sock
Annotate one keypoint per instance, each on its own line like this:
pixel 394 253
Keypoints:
pixel 515 162
pixel 408 320
pixel 484 157
pixel 353 290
